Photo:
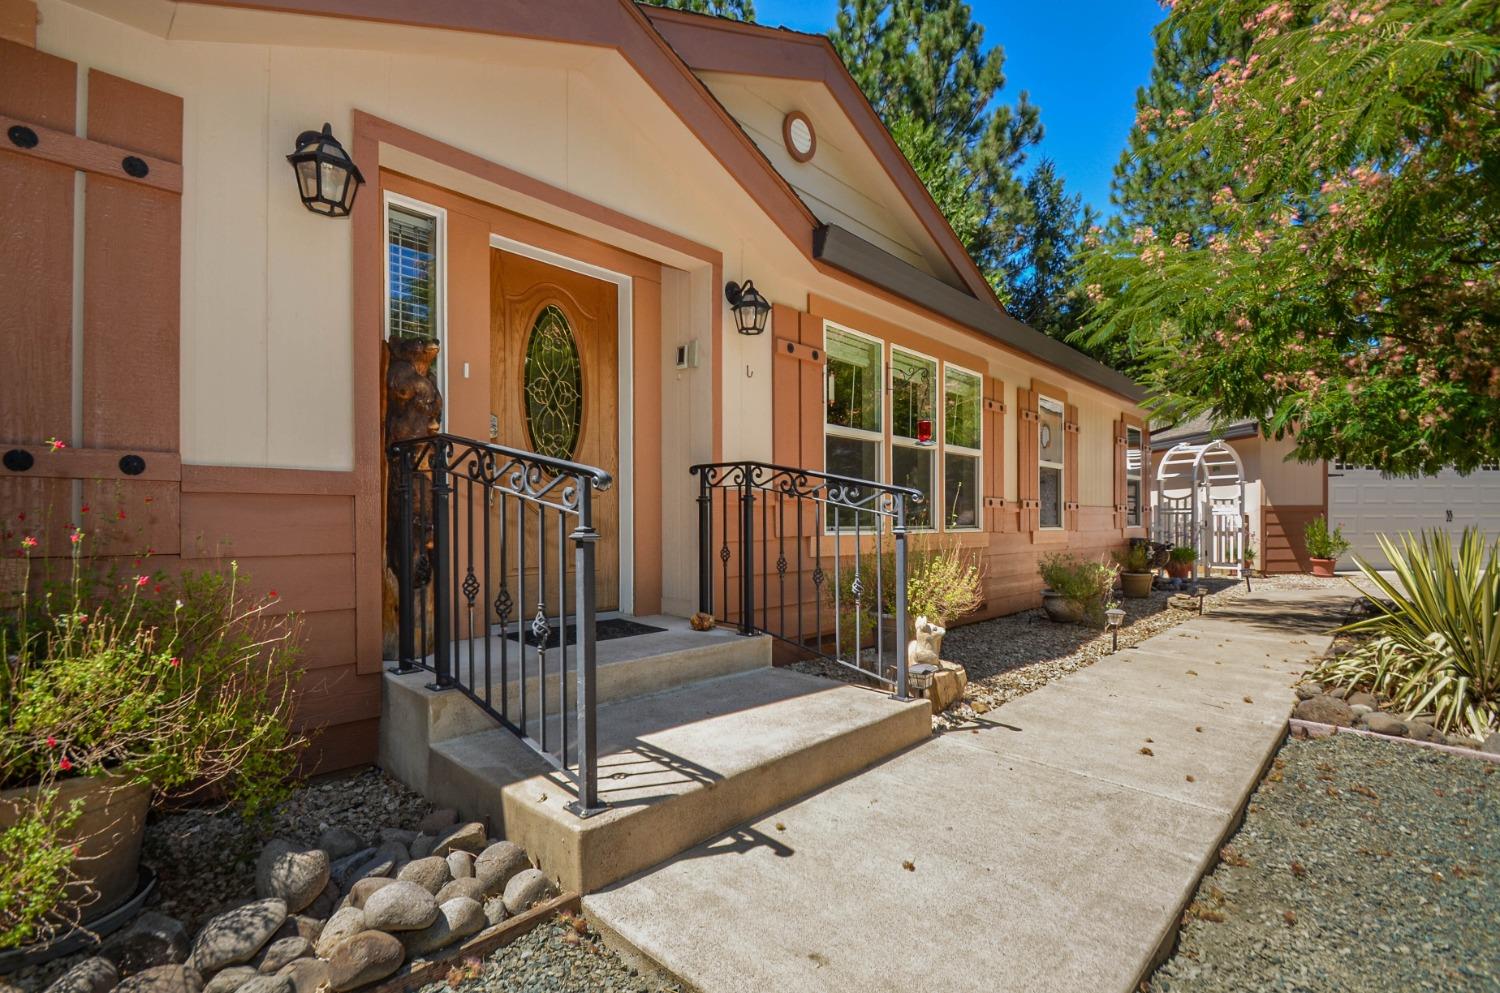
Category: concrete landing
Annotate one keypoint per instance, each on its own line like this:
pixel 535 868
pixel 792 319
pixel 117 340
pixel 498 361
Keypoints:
pixel 1048 852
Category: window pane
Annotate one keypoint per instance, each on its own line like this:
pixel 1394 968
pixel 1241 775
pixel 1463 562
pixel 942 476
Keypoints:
pixel 412 259
pixel 913 467
pixel 854 385
pixel 553 385
pixel 1132 452
pixel 961 408
pixel 854 458
pixel 1133 502
pixel 1051 434
pixel 913 393
pixel 961 491
pixel 1051 497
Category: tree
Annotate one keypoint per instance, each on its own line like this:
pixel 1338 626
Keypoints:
pixel 1348 291
pixel 1046 292
pixel 923 66
pixel 739 10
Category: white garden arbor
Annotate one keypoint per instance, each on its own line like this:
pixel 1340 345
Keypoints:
pixel 1200 503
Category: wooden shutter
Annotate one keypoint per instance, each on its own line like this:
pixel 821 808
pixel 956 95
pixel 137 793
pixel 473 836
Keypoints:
pixel 1071 436
pixel 1120 450
pixel 122 456
pixel 997 514
pixel 1028 475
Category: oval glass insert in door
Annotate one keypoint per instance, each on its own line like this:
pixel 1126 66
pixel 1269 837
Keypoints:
pixel 552 382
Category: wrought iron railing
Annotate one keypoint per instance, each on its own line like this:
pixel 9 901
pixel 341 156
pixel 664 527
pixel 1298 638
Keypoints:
pixel 480 538
pixel 817 561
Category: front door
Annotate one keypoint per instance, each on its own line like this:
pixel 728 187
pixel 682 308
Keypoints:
pixel 554 381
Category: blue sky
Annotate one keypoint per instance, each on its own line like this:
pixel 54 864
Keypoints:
pixel 1080 61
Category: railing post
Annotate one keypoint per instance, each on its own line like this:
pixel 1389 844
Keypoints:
pixel 899 534
pixel 705 539
pixel 747 557
pixel 584 538
pixel 442 665
pixel 406 623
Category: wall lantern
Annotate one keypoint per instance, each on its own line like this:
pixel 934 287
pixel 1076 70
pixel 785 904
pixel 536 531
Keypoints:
pixel 327 178
pixel 750 308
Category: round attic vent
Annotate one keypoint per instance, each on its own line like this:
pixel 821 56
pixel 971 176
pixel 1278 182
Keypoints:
pixel 797 132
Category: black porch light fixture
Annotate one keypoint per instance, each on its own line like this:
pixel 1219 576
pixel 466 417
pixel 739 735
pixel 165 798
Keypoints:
pixel 750 308
pixel 327 179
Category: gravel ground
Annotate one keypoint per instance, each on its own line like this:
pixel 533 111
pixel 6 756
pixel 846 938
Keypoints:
pixel 205 857
pixel 1010 656
pixel 1361 865
pixel 563 956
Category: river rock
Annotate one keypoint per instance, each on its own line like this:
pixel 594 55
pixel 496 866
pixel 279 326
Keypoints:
pixel 498 864
pixel 494 910
pixel 92 975
pixel 470 887
pixel 468 837
pixel 387 860
pixel 163 979
pixel 340 842
pixel 307 975
pixel 235 936
pixel 438 821
pixel 364 958
pixel 349 868
pixel 1362 699
pixel 325 904
pixel 268 984
pixel 1306 691
pixel 152 939
pixel 230 979
pixel 278 953
pixel 299 926
pixel 401 906
pixel 361 890
pixel 400 836
pixel 1422 731
pixel 295 875
pixel 422 845
pixel 1325 709
pixel 461 864
pixel 430 873
pixel 457 919
pixel 526 889
pixel 343 924
pixel 1385 724
pixel 1491 744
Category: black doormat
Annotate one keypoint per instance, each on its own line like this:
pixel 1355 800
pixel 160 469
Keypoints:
pixel 605 630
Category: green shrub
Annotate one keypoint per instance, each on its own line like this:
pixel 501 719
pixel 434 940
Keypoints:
pixel 1323 543
pixel 36 866
pixel 1183 555
pixel 943 584
pixel 1437 628
pixel 1137 558
pixel 1088 583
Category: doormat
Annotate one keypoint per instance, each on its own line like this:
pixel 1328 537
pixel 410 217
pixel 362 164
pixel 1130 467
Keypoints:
pixel 605 630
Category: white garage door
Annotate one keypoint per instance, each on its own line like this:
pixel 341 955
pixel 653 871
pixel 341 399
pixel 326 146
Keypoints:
pixel 1366 503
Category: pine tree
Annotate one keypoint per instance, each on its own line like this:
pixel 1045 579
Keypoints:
pixel 1046 294
pixel 738 10
pixel 923 66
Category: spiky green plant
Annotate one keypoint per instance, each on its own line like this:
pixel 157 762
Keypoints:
pixel 1437 627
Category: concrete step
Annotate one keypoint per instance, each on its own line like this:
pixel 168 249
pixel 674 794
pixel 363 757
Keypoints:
pixel 676 768
pixel 413 716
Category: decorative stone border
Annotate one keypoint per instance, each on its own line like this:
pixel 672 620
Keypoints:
pixel 1312 729
pixel 428 970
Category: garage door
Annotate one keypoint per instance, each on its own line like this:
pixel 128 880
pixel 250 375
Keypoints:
pixel 1366 503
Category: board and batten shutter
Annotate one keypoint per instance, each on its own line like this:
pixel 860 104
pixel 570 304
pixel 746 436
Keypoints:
pixel 1028 475
pixel 797 388
pixel 1119 473
pixel 997 514
pixel 114 402
pixel 1070 466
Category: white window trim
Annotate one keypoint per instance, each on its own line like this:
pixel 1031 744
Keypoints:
pixel 1060 409
pixel 858 434
pixel 439 216
pixel 902 441
pixel 976 453
pixel 1138 475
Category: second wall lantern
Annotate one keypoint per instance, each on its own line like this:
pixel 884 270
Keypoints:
pixel 750 308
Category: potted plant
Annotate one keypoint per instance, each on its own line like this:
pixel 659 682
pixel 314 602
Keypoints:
pixel 1324 546
pixel 1076 590
pixel 1247 560
pixel 115 690
pixel 1136 573
pixel 1180 561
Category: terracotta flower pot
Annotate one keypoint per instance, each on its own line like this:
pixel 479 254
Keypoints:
pixel 1323 567
pixel 1064 610
pixel 1136 585
pixel 1179 570
pixel 108 837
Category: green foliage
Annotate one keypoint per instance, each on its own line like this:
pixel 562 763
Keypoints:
pixel 1321 542
pixel 739 10
pixel 1437 649
pixel 943 584
pixel 1046 293
pixel 1341 285
pixel 1137 558
pixel 1183 555
pixel 1085 582
pixel 36 866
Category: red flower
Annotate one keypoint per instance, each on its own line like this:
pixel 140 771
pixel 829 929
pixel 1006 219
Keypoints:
pixel 121 514
pixel 274 594
pixel 141 581
pixel 84 509
pixel 156 588
pixel 55 444
pixel 174 662
pixel 51 741
pixel 65 765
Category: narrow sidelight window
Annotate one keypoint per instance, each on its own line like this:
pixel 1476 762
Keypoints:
pixel 1133 463
pixel 1051 440
pixel 963 447
pixel 913 429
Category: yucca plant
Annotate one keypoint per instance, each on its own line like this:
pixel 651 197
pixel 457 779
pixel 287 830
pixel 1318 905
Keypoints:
pixel 1437 645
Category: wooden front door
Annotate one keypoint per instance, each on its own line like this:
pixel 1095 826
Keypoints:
pixel 553 382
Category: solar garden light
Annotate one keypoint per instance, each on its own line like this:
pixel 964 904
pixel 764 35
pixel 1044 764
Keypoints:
pixel 1115 616
pixel 919 677
pixel 1200 592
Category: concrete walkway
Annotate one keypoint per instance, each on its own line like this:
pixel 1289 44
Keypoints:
pixel 1043 850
